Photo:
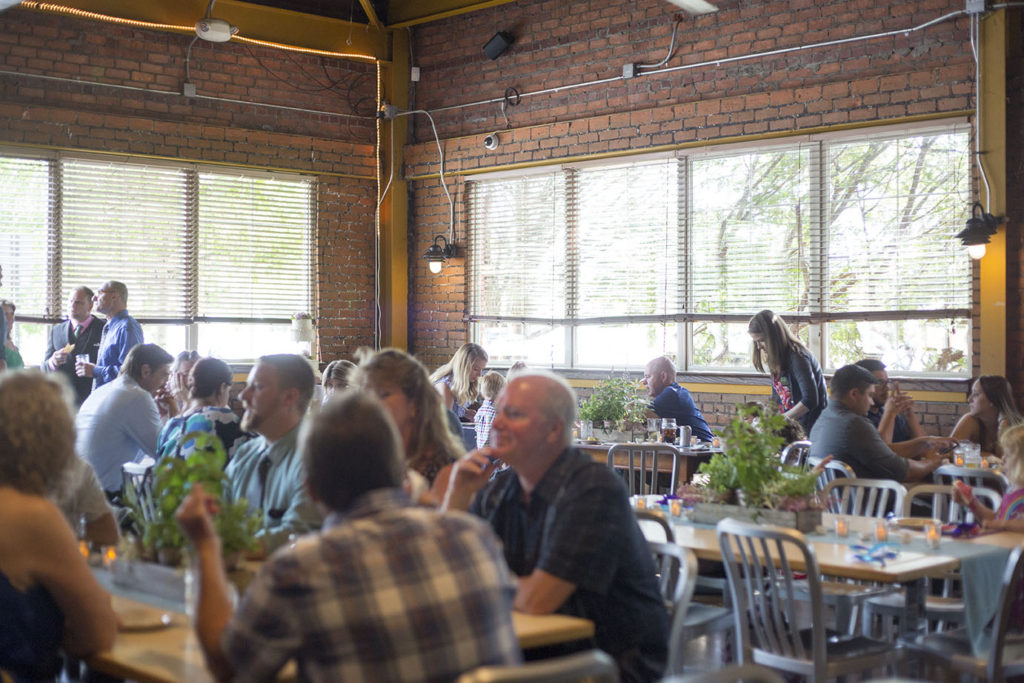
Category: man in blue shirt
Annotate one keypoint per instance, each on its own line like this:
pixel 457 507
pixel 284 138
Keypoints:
pixel 892 414
pixel 671 400
pixel 120 334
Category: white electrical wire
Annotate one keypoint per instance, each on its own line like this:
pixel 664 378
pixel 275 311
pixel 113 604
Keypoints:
pixel 440 154
pixel 975 29
pixel 717 62
pixel 671 49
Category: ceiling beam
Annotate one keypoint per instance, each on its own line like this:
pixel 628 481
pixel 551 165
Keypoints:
pixel 372 14
pixel 253 21
pixel 402 13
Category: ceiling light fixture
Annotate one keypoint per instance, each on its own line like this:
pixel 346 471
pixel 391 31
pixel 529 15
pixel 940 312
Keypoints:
pixel 695 6
pixel 980 226
pixel 437 254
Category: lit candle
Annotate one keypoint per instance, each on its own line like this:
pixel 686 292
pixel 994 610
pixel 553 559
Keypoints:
pixel 677 509
pixel 842 527
pixel 984 463
pixel 715 442
pixel 641 504
pixel 109 557
pixel 932 535
pixel 83 547
pixel 881 533
pixel 959 461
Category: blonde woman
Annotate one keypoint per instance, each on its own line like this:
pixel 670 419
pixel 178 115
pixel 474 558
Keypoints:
pixel 403 386
pixel 48 597
pixel 798 384
pixel 457 381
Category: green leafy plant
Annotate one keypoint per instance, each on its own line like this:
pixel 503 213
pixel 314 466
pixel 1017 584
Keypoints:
pixel 750 463
pixel 172 480
pixel 614 399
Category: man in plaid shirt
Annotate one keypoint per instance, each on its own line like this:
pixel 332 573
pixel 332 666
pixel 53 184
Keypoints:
pixel 387 591
pixel 568 530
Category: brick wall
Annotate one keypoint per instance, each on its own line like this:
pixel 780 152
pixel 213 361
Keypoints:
pixel 143 114
pixel 559 43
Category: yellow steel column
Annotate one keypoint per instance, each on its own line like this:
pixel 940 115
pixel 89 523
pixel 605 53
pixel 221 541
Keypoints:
pixel 993 45
pixel 394 215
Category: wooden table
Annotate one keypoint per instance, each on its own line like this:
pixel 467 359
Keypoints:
pixel 173 655
pixel 691 460
pixel 910 568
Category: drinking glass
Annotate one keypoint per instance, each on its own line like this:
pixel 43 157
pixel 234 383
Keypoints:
pixel 653 429
pixel 668 430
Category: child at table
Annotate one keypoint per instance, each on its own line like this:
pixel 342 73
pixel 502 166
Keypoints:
pixel 491 385
pixel 1010 515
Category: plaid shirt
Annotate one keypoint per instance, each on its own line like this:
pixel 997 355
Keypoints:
pixel 389 592
pixel 484 417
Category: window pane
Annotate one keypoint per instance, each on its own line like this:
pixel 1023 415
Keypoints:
pixel 894 206
pixel 518 247
pixel 31 340
pixel 24 226
pixel 933 346
pixel 625 346
pixel 127 222
pixel 721 345
pixel 628 244
pixel 169 337
pixel 246 341
pixel 752 233
pixel 255 255
pixel 507 342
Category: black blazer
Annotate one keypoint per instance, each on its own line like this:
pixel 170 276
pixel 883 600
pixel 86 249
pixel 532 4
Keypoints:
pixel 88 343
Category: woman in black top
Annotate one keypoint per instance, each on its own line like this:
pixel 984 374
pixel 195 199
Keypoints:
pixel 798 384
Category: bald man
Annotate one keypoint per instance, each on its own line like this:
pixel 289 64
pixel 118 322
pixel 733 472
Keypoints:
pixel 568 530
pixel 668 399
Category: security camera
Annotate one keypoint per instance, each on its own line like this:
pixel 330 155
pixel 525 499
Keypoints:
pixel 491 141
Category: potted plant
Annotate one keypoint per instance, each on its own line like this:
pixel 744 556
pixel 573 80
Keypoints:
pixel 172 479
pixel 614 402
pixel 749 472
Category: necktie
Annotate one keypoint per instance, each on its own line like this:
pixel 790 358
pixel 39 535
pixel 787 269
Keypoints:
pixel 258 484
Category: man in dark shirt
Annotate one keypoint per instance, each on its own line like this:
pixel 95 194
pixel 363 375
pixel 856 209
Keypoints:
pixel 78 335
pixel 668 399
pixel 566 524
pixel 844 431
pixel 891 413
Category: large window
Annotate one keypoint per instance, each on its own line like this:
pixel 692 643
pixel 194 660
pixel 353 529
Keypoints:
pixel 214 259
pixel 610 264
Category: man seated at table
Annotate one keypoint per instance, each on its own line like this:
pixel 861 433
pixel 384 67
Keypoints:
pixel 267 471
pixel 844 431
pixel 120 421
pixel 892 413
pixel 671 400
pixel 386 591
pixel 568 529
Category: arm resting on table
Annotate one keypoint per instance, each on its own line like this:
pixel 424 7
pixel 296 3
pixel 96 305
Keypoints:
pixel 542 593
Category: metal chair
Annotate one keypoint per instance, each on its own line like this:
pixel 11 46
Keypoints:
pixel 864 497
pixel 832 470
pixel 1005 653
pixel 975 476
pixel 689 620
pixel 137 486
pixel 642 466
pixel 758 564
pixel 881 613
pixel 592 665
pixel 795 454
pixel 655 526
pixel 747 673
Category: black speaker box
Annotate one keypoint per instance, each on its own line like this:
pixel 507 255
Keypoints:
pixel 498 44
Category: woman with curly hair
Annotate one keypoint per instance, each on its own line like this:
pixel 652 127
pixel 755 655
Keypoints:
pixel 798 384
pixel 48 597
pixel 401 383
pixel 457 381
pixel 992 410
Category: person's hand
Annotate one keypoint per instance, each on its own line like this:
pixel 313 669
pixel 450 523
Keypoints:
pixel 962 494
pixel 195 515
pixel 58 358
pixel 165 403
pixel 469 475
pixel 820 467
pixel 470 414
pixel 939 447
pixel 84 369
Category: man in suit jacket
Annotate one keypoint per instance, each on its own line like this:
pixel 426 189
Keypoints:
pixel 82 331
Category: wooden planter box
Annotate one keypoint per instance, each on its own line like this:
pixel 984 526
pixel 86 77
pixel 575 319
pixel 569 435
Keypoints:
pixel 711 513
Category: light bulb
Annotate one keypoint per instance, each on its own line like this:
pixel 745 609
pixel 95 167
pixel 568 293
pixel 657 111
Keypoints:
pixel 976 251
pixel 435 266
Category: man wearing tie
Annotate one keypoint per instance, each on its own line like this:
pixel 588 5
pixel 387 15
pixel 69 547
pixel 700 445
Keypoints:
pixel 78 335
pixel 267 471
pixel 120 334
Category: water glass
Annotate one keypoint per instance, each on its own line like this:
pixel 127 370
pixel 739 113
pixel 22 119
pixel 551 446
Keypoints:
pixel 653 429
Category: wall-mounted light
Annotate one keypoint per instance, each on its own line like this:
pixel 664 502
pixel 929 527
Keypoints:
pixel 980 226
pixel 437 254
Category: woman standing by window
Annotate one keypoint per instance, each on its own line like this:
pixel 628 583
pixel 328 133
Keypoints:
pixel 798 384
pixel 458 380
